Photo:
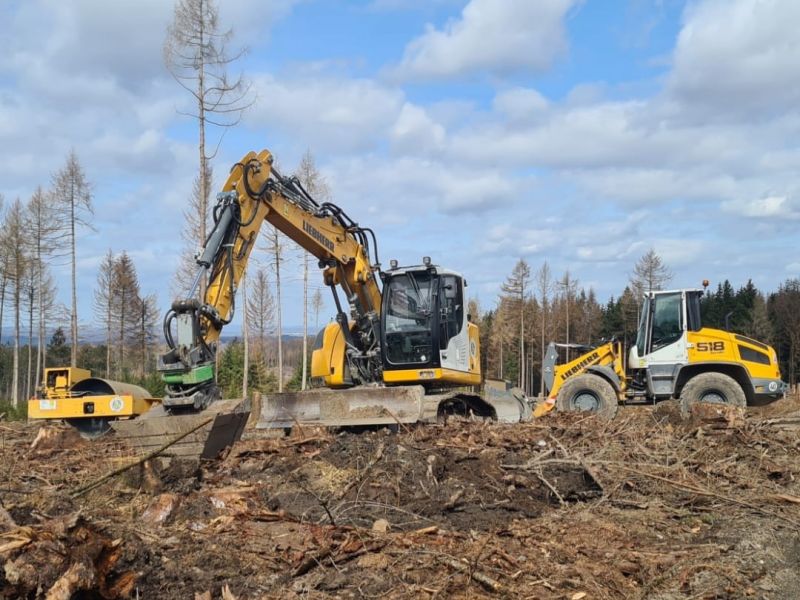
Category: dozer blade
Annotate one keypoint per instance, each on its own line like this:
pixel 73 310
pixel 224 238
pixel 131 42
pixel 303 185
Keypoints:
pixel 226 421
pixel 510 406
pixel 367 405
pixel 375 405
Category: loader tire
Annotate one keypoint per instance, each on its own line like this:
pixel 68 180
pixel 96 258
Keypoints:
pixel 589 393
pixel 716 388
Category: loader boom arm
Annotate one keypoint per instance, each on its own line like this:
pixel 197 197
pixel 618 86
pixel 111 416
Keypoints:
pixel 253 194
pixel 607 355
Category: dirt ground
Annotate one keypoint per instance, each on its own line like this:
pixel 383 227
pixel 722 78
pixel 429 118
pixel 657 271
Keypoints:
pixel 649 505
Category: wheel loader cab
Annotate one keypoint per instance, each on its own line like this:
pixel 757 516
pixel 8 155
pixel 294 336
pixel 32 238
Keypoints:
pixel 665 319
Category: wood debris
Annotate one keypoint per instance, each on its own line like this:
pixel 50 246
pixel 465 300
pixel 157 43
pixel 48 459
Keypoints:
pixel 651 504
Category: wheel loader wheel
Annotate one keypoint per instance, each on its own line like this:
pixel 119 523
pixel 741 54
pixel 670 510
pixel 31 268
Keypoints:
pixel 716 388
pixel 590 393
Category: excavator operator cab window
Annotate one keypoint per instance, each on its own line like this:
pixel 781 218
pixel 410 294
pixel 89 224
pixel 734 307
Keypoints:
pixel 667 320
pixel 693 310
pixel 408 317
pixel 451 317
pixel 641 333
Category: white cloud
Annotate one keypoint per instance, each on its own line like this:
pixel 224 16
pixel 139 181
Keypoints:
pixel 520 105
pixel 326 113
pixel 768 207
pixel 738 57
pixel 415 131
pixel 492 36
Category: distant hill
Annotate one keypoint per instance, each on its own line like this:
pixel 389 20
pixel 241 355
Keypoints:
pixel 97 336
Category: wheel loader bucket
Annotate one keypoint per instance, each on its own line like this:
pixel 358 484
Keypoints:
pixel 215 428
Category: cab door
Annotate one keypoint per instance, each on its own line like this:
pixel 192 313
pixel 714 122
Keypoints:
pixel 666 343
pixel 453 336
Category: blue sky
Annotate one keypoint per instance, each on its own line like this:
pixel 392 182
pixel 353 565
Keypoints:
pixel 581 132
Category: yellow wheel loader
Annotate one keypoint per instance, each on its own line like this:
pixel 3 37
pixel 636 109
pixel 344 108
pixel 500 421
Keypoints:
pixel 674 357
pixel 89 404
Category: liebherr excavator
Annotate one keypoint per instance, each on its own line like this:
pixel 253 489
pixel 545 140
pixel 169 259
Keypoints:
pixel 401 346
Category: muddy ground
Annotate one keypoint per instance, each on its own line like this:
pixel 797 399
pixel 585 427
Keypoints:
pixel 648 505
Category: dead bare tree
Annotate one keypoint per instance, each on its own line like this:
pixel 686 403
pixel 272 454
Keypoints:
pixel 260 309
pixel 196 54
pixel 245 335
pixel 316 306
pixel 44 231
pixel 516 289
pixel 544 284
pixel 195 208
pixel 570 286
pixel 72 195
pixel 14 241
pixel 3 269
pixel 275 248
pixel 104 301
pixel 311 179
pixel 145 315
pixel 649 273
pixel 126 296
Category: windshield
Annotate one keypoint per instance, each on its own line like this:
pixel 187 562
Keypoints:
pixel 667 321
pixel 408 316
pixel 641 335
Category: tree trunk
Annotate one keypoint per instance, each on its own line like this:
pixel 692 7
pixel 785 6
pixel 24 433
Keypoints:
pixel 40 304
pixel 567 326
pixel 201 119
pixel 3 286
pixel 30 343
pixel 544 321
pixel 305 320
pixel 121 352
pixel 108 334
pixel 501 358
pixel 245 336
pixel 15 367
pixel 279 315
pixel 74 319
pixel 522 341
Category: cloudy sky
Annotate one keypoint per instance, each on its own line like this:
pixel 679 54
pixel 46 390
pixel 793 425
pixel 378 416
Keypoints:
pixel 581 132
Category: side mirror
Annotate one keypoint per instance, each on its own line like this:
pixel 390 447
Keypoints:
pixel 450 291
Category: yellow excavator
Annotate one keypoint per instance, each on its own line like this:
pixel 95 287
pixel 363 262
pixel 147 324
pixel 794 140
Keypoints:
pixel 401 349
pixel 674 357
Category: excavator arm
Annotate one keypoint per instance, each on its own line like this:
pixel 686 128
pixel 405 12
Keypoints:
pixel 253 194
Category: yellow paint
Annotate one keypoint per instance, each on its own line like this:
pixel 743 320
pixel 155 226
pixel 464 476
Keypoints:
pixel 714 345
pixel 439 375
pixel 104 406
pixel 328 362
pixel 59 380
pixel 474 349
pixel 609 354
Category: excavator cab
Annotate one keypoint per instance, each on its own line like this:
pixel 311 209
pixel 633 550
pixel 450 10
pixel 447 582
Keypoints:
pixel 425 330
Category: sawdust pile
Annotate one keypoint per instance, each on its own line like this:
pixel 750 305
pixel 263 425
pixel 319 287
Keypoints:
pixel 649 505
